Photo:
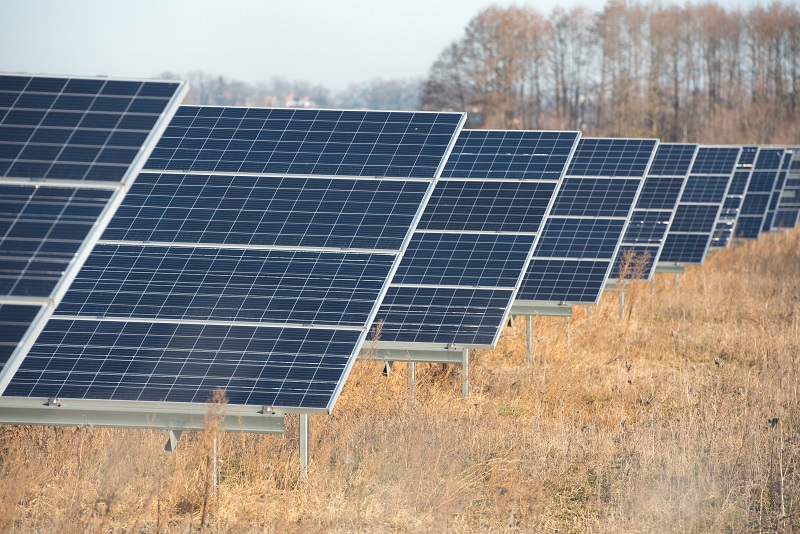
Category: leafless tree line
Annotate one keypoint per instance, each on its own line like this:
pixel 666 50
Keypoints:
pixel 677 72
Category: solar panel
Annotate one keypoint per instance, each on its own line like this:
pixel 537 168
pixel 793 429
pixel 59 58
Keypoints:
pixel 261 279
pixel 84 129
pixel 788 210
pixel 67 144
pixel 303 141
pixel 757 198
pixel 777 191
pixel 41 231
pixel 731 208
pixel 15 320
pixel 459 276
pixel 700 204
pixel 582 234
pixel 652 217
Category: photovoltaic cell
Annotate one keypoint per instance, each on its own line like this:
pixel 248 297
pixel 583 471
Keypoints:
pixel 700 204
pixel 582 235
pixel 655 209
pixel 457 280
pixel 261 285
pixel 76 128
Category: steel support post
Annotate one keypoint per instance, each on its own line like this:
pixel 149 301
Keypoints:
pixel 589 313
pixel 465 387
pixel 677 282
pixel 529 338
pixel 569 324
pixel 304 456
pixel 621 305
pixel 215 461
pixel 412 383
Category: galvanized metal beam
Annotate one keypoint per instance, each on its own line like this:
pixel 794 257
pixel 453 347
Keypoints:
pixel 126 414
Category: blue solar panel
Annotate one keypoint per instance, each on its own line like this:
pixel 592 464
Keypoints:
pixel 731 209
pixel 66 144
pixel 660 193
pixel 647 227
pixel 596 197
pixel 582 235
pixel 645 237
pixel 580 238
pixel 451 283
pixel 788 212
pixel 684 248
pixel 478 206
pixel 739 183
pixel 748 157
pixel 15 320
pixel 180 362
pixel 769 219
pixel 715 160
pixel 565 280
pixel 693 218
pixel 769 158
pixel 705 189
pixel 472 260
pixel 697 215
pixel 612 157
pixel 265 210
pixel 673 159
pixel 759 192
pixel 263 286
pixel 199 283
pixel 41 230
pixel 305 141
pixel 507 154
pixel 440 314
pixel 76 128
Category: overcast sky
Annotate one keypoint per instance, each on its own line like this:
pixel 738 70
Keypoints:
pixel 328 42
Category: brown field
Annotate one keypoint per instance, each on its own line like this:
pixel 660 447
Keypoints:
pixel 682 418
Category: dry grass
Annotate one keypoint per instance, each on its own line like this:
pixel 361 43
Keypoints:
pixel 682 418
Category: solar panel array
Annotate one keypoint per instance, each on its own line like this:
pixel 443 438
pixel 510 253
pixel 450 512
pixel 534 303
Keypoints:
pixel 254 268
pixel 465 261
pixel 731 208
pixel 260 245
pixel 777 191
pixel 700 204
pixel 581 237
pixel 788 211
pixel 759 192
pixel 652 217
pixel 66 146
